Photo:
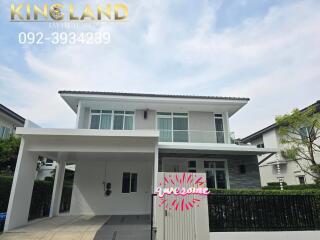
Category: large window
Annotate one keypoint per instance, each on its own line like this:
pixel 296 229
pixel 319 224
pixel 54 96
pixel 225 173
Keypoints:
pixel 173 127
pixel 129 182
pixel 4 132
pixel 218 120
pixel 216 174
pixel 108 119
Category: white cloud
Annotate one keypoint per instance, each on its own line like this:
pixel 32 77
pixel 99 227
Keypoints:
pixel 273 59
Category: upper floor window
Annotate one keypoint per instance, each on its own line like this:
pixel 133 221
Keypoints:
pixel 218 121
pixel 306 132
pixel 4 132
pixel 173 127
pixel 108 119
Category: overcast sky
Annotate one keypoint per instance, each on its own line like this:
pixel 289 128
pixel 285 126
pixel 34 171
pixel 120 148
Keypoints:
pixel 267 50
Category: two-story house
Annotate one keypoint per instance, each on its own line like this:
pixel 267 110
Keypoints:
pixel 9 121
pixel 122 140
pixel 277 166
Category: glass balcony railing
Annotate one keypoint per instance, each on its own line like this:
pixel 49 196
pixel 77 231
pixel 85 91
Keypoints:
pixel 196 136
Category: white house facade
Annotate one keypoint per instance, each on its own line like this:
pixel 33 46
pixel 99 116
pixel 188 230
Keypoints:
pixel 123 140
pixel 277 167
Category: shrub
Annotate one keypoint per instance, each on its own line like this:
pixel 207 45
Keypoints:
pixel 41 197
pixel 276 184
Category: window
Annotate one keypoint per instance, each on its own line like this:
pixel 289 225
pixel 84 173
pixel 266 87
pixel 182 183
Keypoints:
pixel 302 180
pixel 260 145
pixel 216 174
pixel 173 127
pixel 242 169
pixel 192 166
pixel 4 132
pixel 306 132
pixel 218 121
pixel 129 182
pixel 108 119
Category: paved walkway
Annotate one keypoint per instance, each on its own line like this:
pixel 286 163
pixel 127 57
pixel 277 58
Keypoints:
pixel 83 228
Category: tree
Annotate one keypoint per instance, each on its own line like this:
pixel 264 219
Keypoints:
pixel 300 133
pixel 9 149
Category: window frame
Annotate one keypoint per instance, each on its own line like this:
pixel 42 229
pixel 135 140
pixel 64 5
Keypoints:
pixel 125 113
pixel 6 132
pixel 221 117
pixel 225 169
pixel 171 115
pixel 130 182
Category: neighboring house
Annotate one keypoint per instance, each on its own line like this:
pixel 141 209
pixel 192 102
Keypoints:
pixel 47 168
pixel 277 166
pixel 9 121
pixel 122 140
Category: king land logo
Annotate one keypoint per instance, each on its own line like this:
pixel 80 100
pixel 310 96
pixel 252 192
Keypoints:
pixel 60 12
pixel 173 185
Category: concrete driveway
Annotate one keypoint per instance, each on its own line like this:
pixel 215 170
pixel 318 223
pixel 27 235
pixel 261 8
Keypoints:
pixel 84 228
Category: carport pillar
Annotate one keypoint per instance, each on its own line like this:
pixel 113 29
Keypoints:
pixel 156 168
pixel 21 190
pixel 58 186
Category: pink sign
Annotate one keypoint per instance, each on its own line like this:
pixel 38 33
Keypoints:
pixel 197 191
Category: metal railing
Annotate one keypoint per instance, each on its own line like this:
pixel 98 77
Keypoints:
pixel 234 213
pixel 196 136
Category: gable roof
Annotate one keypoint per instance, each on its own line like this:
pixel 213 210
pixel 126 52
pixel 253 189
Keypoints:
pixel 274 125
pixel 151 95
pixel 11 114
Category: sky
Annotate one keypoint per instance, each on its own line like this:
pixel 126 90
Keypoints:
pixel 266 50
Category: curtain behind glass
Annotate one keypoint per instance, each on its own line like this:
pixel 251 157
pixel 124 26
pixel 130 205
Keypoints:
pixel 219 129
pixel 179 125
pixel 165 128
pixel 118 122
pixel 105 121
pixel 128 123
pixel 95 121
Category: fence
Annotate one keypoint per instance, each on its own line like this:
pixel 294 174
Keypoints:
pixel 231 213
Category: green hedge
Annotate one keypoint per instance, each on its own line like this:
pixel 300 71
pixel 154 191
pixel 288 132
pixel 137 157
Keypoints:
pixel 5 188
pixel 41 197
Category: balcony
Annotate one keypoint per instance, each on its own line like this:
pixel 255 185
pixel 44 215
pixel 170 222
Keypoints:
pixel 196 136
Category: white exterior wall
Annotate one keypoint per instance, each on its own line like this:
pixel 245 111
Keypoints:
pixel 88 192
pixel 199 121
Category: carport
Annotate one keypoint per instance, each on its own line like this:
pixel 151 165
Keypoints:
pixel 100 157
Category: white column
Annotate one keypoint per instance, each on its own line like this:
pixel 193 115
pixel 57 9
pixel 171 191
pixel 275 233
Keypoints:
pixel 58 186
pixel 156 167
pixel 79 121
pixel 21 190
pixel 226 127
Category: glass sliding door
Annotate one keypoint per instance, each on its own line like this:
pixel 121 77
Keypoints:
pixel 173 127
pixel 180 127
pixel 165 127
pixel 216 172
pixel 218 120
